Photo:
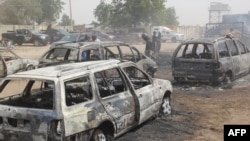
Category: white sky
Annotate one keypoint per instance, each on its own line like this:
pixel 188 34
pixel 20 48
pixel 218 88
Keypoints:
pixel 190 12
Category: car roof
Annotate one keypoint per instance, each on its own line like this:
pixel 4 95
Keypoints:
pixel 83 44
pixel 206 40
pixel 67 69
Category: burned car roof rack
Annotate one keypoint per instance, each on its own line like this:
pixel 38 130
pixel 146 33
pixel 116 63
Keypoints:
pixel 65 69
pixel 78 44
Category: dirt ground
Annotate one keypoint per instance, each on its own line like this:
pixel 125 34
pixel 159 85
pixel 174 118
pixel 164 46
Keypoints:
pixel 199 111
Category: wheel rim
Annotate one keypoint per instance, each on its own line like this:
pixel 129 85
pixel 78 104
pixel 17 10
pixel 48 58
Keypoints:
pixel 98 135
pixel 101 137
pixel 166 107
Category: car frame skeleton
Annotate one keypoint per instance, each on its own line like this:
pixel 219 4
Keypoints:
pixel 104 50
pixel 98 100
pixel 202 60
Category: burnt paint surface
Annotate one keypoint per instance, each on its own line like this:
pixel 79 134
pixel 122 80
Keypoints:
pixel 118 110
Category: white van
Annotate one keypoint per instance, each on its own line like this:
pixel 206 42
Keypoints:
pixel 168 34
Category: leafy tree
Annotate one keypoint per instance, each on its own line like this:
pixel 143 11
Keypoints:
pixel 130 13
pixel 29 11
pixel 172 19
pixel 66 21
pixel 51 10
pixel 20 12
pixel 102 13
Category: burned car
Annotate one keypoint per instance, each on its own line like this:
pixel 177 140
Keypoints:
pixel 97 100
pixel 71 37
pixel 90 51
pixel 221 60
pixel 11 63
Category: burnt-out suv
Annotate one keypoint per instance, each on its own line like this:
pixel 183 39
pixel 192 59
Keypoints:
pixel 91 51
pixel 86 101
pixel 221 60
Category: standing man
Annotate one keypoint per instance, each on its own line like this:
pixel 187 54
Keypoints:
pixel 95 39
pixel 158 48
pixel 149 44
pixel 50 33
pixel 154 42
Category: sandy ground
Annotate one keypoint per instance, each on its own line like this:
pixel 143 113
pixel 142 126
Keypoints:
pixel 199 111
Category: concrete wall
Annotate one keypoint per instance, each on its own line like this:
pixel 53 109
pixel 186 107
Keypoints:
pixel 191 31
pixel 188 31
pixel 5 28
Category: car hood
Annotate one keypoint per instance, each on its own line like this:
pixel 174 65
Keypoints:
pixel 30 61
pixel 60 42
pixel 40 34
pixel 150 61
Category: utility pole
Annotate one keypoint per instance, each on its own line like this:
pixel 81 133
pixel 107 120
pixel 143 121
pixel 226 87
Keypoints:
pixel 71 21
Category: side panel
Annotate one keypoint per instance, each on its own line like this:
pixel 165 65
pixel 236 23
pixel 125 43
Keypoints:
pixel 122 108
pixel 147 101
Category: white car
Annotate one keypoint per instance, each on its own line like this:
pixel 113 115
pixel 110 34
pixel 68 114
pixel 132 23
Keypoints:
pixel 168 34
pixel 11 63
pixel 98 100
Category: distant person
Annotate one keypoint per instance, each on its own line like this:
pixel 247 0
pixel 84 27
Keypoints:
pixel 85 56
pixel 154 41
pixel 50 33
pixel 95 39
pixel 87 38
pixel 149 44
pixel 158 40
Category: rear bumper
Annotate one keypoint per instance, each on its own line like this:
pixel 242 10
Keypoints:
pixel 202 76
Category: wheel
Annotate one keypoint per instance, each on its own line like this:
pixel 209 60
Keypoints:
pixel 11 41
pixel 98 135
pixel 30 68
pixel 36 43
pixel 19 43
pixel 165 106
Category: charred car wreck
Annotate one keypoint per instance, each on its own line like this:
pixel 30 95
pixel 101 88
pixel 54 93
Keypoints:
pixel 91 51
pixel 92 101
pixel 221 60
pixel 11 63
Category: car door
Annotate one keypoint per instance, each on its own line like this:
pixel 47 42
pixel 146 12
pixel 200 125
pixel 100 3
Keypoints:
pixel 3 71
pixel 116 98
pixel 144 91
pixel 27 36
pixel 236 60
pixel 81 105
pixel 13 62
pixel 245 57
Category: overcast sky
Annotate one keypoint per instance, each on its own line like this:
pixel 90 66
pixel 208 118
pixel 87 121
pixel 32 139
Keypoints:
pixel 190 12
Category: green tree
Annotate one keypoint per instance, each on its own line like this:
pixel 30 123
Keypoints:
pixel 130 13
pixel 20 12
pixel 102 13
pixel 65 21
pixel 29 11
pixel 171 18
pixel 51 10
